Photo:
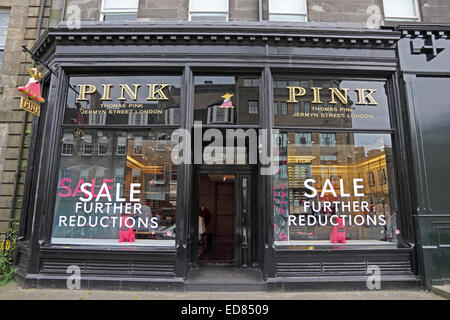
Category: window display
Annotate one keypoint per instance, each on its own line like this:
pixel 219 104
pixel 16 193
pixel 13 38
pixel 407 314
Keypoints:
pixel 316 195
pixel 117 185
pixel 335 182
pixel 110 197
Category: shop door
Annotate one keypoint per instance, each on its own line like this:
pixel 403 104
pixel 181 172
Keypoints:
pixel 224 203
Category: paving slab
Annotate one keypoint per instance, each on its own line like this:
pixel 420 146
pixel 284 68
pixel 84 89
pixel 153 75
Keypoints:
pixel 443 291
pixel 12 291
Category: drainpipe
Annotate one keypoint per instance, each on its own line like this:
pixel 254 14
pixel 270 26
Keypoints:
pixel 24 129
pixel 260 10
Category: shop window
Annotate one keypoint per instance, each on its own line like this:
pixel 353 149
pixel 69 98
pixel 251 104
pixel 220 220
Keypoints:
pixel 119 10
pixel 4 22
pixel 333 103
pixel 113 188
pixel 321 188
pixel 288 10
pixel 205 10
pixel 401 10
pixel 333 176
pixel 226 100
pixel 131 188
pixel 123 100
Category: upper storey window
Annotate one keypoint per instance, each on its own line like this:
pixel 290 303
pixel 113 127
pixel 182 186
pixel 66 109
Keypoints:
pixel 208 10
pixel 119 10
pixel 4 21
pixel 401 10
pixel 288 10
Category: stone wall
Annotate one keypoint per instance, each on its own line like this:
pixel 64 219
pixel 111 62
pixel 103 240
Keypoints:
pixel 435 11
pixel 22 30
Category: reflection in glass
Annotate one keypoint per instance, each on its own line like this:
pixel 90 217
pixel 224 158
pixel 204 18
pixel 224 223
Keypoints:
pixel 124 100
pixel 348 157
pixel 317 106
pixel 227 100
pixel 115 160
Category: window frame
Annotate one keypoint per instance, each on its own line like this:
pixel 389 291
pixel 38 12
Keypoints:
pixel 289 13
pixel 227 12
pixel 115 11
pixel 2 47
pixel 279 77
pixel 416 9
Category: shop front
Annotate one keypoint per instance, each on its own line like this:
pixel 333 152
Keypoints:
pixel 163 152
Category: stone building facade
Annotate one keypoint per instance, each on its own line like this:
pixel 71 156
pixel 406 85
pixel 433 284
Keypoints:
pixel 22 30
pixel 29 19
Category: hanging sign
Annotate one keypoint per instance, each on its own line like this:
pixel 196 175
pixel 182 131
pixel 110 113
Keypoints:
pixel 32 90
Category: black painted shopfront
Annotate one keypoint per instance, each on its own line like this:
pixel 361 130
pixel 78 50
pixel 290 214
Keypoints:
pixel 106 192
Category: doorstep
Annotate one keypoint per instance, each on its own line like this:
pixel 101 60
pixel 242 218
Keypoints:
pixel 443 291
pixel 224 278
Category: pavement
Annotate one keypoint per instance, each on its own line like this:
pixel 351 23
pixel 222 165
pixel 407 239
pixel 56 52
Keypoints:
pixel 11 291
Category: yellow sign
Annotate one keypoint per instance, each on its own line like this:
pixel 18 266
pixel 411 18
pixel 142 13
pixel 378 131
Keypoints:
pixel 5 245
pixel 30 106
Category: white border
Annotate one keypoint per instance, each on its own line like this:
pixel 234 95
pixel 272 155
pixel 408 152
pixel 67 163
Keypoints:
pixel 416 18
pixel 114 11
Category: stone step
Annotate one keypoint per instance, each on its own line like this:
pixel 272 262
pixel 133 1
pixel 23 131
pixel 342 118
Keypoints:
pixel 443 291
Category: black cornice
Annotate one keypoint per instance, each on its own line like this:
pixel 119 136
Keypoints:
pixel 440 31
pixel 232 34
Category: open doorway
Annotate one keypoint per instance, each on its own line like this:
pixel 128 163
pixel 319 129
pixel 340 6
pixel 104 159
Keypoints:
pixel 216 218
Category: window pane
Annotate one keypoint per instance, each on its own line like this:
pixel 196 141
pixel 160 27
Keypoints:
pixel 334 103
pixel 200 16
pixel 350 178
pixel 287 6
pixel 287 17
pixel 120 4
pixel 4 21
pixel 399 9
pixel 132 188
pixel 209 5
pixel 119 16
pixel 226 100
pixel 125 100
